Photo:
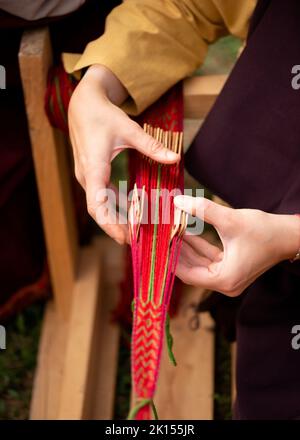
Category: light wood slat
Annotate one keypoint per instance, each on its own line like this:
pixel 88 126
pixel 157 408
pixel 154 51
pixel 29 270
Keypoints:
pixel 49 371
pixel 77 362
pixel 107 346
pixel 186 391
pixel 200 93
pixel 51 168
pixel 76 389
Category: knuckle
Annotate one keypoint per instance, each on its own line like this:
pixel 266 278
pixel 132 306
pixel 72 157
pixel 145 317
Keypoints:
pixel 132 127
pixel 231 289
pixel 78 174
pixel 120 240
pixel 228 285
pixel 91 209
pixel 154 146
pixel 185 280
pixel 130 130
pixel 232 293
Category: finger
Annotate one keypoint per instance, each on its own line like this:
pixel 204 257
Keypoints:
pixel 191 257
pixel 203 247
pixel 202 276
pixel 149 146
pixel 112 227
pixel 101 202
pixel 121 196
pixel 108 219
pixel 205 209
pixel 96 179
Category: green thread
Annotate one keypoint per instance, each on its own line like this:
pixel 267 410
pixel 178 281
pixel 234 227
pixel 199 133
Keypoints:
pixel 59 99
pixel 164 280
pixel 132 306
pixel 153 255
pixel 154 410
pixel 170 341
pixel 51 105
pixel 133 412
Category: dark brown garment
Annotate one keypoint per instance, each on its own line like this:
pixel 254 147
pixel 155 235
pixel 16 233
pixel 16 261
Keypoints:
pixel 248 153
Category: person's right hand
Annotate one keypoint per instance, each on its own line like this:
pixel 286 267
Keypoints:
pixel 99 130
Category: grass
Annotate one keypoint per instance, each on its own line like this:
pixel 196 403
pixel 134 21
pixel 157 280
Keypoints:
pixel 222 396
pixel 17 363
pixel 221 56
pixel 123 387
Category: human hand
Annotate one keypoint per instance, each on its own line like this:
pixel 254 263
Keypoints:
pixel 253 241
pixel 99 131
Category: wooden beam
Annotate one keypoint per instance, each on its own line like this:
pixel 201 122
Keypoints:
pixel 49 371
pixel 77 361
pixel 81 335
pixel 200 93
pixel 107 345
pixel 51 168
pixel 186 391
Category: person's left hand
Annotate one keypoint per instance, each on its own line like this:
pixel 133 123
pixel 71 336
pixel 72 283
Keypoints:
pixel 253 241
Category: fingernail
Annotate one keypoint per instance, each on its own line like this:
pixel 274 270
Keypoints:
pixel 179 201
pixel 171 155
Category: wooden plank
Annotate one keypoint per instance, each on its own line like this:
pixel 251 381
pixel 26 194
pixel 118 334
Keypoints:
pixel 49 371
pixel 90 341
pixel 107 346
pixel 75 391
pixel 190 129
pixel 51 168
pixel 200 93
pixel 186 391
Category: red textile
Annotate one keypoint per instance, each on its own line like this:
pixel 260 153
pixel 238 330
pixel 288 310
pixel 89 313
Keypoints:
pixel 154 253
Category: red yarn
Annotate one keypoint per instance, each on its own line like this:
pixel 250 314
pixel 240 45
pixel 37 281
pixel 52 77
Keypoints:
pixel 154 256
pixel 60 86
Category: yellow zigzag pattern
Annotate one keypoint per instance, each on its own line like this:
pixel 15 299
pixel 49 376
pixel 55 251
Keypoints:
pixel 147 333
pixel 145 376
pixel 146 352
pixel 149 311
pixel 147 303
pixel 147 342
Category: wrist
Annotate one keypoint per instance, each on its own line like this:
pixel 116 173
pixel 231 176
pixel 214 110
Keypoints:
pixel 108 85
pixel 287 238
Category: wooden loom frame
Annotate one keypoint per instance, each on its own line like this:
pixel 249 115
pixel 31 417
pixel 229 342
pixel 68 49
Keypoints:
pixel 77 361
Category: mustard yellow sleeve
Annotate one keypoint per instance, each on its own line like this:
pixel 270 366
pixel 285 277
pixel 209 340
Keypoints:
pixel 151 44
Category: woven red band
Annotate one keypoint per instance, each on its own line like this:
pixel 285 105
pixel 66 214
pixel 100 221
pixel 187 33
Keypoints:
pixel 297 256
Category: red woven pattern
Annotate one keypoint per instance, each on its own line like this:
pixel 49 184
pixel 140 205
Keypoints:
pixel 154 257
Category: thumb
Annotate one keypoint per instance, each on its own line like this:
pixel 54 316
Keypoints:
pixel 101 202
pixel 151 147
pixel 96 181
pixel 211 212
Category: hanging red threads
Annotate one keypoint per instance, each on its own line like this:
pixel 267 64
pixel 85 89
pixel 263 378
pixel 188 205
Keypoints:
pixel 156 234
pixel 167 113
